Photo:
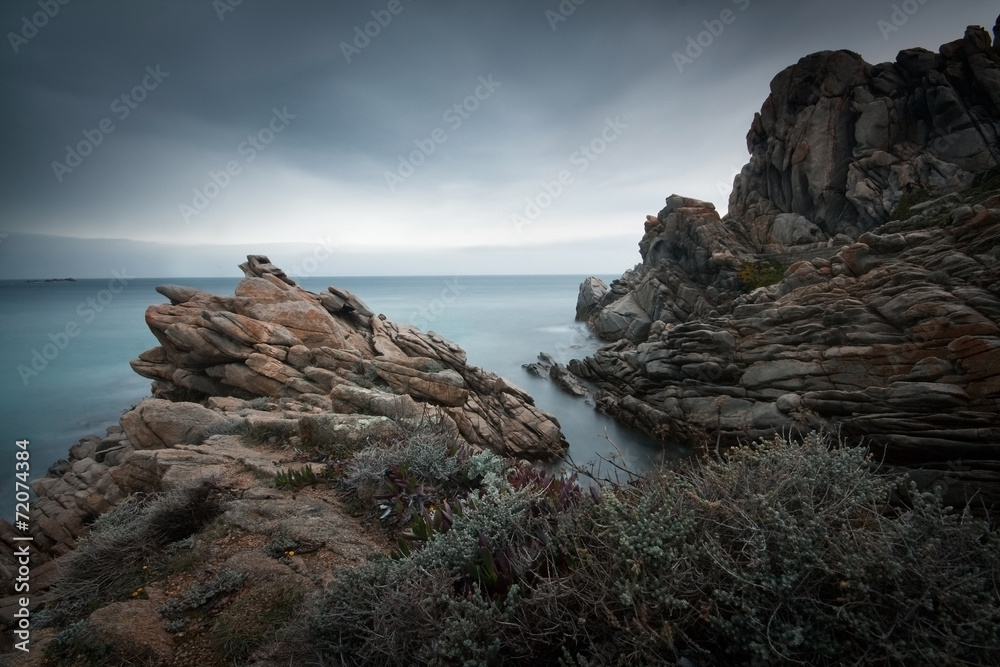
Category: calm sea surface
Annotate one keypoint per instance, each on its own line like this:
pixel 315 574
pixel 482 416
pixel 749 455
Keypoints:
pixel 66 348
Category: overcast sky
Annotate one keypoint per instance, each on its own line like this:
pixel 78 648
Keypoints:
pixel 414 148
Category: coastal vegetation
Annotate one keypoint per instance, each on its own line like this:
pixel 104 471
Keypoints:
pixel 778 551
pixel 759 274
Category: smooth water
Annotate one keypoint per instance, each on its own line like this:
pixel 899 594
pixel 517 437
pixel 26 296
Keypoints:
pixel 66 348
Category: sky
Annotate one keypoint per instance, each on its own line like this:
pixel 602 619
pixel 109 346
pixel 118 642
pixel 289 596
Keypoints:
pixel 393 137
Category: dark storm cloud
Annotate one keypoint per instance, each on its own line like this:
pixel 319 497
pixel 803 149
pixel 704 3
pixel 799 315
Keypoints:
pixel 223 69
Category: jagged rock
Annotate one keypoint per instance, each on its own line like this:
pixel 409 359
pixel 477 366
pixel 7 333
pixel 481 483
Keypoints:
pixel 592 290
pixel 888 331
pixel 795 229
pixel 841 142
pixel 567 381
pixel 276 339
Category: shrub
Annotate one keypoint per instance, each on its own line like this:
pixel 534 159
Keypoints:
pixel 296 479
pixel 111 562
pixel 908 201
pixel 200 597
pixel 781 552
pixel 281 545
pixel 268 433
pixel 760 274
pixel 76 646
pixel 407 478
pixel 440 605
pixel 230 426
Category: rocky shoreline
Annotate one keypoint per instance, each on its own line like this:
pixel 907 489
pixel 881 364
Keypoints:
pixel 302 371
pixel 854 284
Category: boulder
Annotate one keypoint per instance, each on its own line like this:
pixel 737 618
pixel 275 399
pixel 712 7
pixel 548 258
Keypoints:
pixel 592 290
pixel 157 424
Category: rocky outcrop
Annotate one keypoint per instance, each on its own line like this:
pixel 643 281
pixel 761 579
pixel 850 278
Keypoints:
pixel 839 143
pixel 276 363
pixel 561 376
pixel 276 339
pixel 806 306
pixel 255 514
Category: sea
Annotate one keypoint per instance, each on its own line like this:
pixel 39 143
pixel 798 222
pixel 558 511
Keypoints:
pixel 66 348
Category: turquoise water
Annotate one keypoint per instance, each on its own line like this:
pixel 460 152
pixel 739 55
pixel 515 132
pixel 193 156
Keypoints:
pixel 66 348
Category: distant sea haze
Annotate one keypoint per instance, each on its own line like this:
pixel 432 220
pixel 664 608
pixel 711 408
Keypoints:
pixel 67 347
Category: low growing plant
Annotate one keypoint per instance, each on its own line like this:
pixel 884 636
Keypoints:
pixel 760 274
pixel 255 617
pixel 113 560
pixel 781 552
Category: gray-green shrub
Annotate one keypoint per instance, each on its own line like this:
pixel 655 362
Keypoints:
pixel 780 553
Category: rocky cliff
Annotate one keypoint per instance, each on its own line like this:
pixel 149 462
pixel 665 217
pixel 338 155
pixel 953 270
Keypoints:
pixel 853 285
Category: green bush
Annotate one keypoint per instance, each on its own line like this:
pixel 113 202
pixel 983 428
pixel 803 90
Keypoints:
pixel 908 201
pixel 409 477
pixel 296 479
pixel 760 274
pixel 780 553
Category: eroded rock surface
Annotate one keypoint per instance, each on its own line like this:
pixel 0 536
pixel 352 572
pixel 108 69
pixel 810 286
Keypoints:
pixel 806 306
pixel 276 339
pixel 839 142
pixel 319 372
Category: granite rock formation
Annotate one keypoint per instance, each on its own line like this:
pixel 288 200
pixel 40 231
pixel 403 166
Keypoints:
pixel 854 284
pixel 839 143
pixel 314 370
pixel 275 339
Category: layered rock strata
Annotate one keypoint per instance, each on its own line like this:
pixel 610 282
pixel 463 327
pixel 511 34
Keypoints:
pixel 276 339
pixel 318 370
pixel 886 330
pixel 839 143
